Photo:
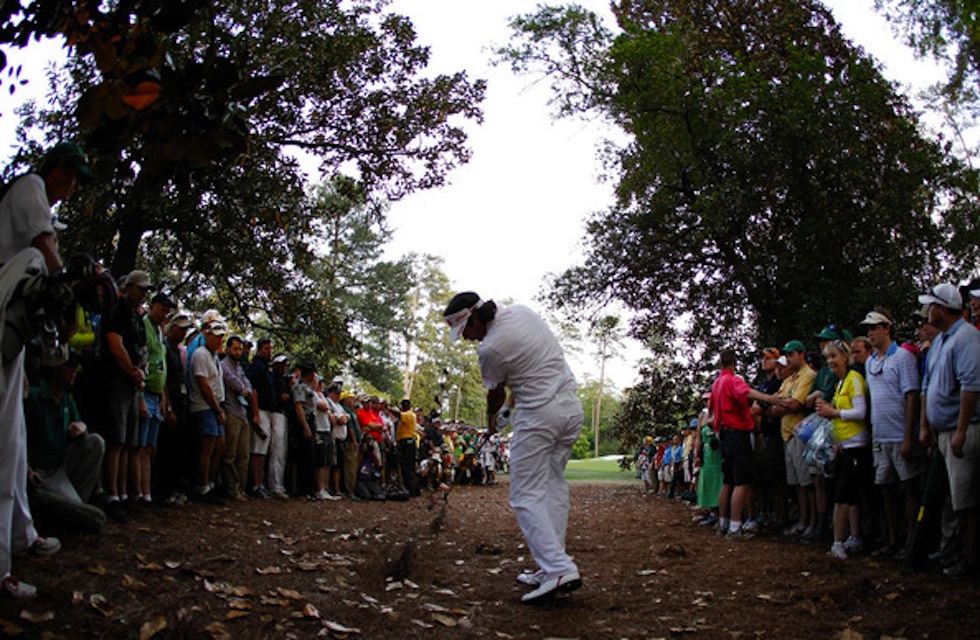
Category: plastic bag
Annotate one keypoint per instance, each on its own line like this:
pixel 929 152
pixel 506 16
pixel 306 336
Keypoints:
pixel 805 427
pixel 821 447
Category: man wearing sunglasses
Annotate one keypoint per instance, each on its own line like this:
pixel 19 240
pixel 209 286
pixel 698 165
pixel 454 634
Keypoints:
pixel 951 415
pixel 893 381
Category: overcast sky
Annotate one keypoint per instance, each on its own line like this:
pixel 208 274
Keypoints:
pixel 515 213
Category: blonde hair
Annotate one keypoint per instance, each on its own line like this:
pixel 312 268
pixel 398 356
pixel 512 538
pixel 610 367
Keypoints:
pixel 842 348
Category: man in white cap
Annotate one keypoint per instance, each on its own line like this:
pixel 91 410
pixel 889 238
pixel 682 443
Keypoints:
pixel 951 415
pixel 518 352
pixel 207 413
pixel 893 381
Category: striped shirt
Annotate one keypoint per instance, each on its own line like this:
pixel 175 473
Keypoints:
pixel 889 379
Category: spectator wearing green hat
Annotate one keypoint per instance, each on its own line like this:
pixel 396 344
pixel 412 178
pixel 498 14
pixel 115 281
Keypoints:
pixel 795 389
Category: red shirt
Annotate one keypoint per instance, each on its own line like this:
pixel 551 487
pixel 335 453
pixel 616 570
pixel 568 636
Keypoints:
pixel 729 402
pixel 366 418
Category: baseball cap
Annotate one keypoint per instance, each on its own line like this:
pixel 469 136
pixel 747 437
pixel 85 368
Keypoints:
pixel 782 361
pixel 830 332
pixel 139 278
pixel 182 320
pixel 770 352
pixel 875 317
pixel 217 328
pixel 164 299
pixel 975 293
pixel 71 155
pixel 282 358
pixel 943 294
pixel 307 364
pixel 795 346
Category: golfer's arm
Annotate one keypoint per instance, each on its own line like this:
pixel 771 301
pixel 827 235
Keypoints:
pixel 495 400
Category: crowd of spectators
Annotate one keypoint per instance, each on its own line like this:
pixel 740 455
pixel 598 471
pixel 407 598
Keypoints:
pixel 149 407
pixel 834 445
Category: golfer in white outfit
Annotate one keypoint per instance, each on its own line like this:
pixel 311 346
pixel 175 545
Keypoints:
pixel 519 352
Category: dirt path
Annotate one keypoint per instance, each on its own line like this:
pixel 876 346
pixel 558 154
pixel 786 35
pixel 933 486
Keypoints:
pixel 434 569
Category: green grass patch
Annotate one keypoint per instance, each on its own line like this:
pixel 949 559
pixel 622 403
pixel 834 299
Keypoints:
pixel 598 470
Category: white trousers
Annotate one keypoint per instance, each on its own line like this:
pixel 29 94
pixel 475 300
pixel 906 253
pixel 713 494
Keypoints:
pixel 274 424
pixel 539 451
pixel 16 525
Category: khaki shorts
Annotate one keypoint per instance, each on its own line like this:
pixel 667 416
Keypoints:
pixel 964 488
pixel 797 473
pixel 891 467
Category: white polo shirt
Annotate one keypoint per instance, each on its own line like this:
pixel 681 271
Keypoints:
pixel 520 350
pixel 24 215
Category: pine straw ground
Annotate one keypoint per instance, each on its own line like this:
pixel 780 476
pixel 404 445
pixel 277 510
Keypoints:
pixel 434 568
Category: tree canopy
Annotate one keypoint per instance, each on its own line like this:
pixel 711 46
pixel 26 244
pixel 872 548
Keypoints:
pixel 196 117
pixel 773 181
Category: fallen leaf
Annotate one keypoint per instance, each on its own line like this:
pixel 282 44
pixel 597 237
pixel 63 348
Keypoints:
pixel 77 596
pixel 36 618
pixel 850 634
pixel 152 627
pixel 424 625
pixel 445 621
pixel 275 602
pixel 336 627
pixel 97 569
pixel 130 582
pixel 430 606
pixel 310 611
pixel 237 613
pixel 218 631
pixel 264 571
pixel 308 566
pixel 289 593
pixel 892 596
pixel 239 603
pixel 391 586
pixel 171 564
pixel 100 604
pixel 153 566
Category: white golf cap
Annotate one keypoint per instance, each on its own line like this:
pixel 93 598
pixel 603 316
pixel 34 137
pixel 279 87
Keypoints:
pixel 943 294
pixel 782 360
pixel 874 317
pixel 975 293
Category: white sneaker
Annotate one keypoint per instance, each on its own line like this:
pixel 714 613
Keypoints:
pixel 17 589
pixel 550 586
pixel 838 551
pixel 751 527
pixel 322 494
pixel 531 579
pixel 330 496
pixel 45 546
pixel 853 545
